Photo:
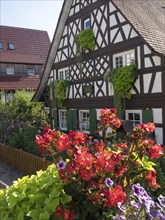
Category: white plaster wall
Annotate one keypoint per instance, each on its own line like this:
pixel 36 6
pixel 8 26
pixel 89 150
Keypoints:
pixel 146 81
pixel 137 85
pixel 126 29
pixel 147 62
pixel 113 32
pixel 159 135
pixel 157 87
pixel 119 38
pixel 112 7
pixel 139 57
pixel 146 50
pixel 103 88
pixel 110 89
pixel 157 60
pixel 133 34
pixel 121 18
pixel 157 115
pixel 113 21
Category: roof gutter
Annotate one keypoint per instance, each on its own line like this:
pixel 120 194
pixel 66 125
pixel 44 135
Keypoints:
pixel 53 49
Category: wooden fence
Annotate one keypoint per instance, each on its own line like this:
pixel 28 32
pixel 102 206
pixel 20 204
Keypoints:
pixel 22 161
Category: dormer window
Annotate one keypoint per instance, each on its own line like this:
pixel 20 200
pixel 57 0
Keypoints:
pixel 10 70
pixel 87 23
pixel 11 46
pixel 30 71
pixel 1 45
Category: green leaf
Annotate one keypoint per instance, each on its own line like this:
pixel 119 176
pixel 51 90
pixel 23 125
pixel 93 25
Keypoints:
pixel 51 206
pixel 90 207
pixel 147 165
pixel 11 201
pixel 34 213
pixel 71 189
pixel 44 216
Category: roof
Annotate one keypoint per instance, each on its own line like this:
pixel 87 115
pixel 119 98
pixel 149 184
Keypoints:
pixel 148 18
pixel 31 46
pixel 19 82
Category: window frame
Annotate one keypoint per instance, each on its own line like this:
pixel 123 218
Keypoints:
pixel 124 55
pixel 63 74
pixel 134 122
pixel 11 46
pixel 1 46
pixel 81 123
pixel 30 73
pixel 61 119
pixel 87 20
pixel 10 68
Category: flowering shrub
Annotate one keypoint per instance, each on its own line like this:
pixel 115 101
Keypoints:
pixel 98 177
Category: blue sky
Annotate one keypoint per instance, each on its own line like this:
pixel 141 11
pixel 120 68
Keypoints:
pixel 33 14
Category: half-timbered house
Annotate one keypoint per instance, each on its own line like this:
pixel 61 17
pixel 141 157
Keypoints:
pixel 125 31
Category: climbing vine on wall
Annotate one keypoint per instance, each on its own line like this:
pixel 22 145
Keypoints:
pixel 60 87
pixel 122 79
pixel 85 41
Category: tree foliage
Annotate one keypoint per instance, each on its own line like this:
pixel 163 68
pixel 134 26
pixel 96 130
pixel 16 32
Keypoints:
pixel 20 121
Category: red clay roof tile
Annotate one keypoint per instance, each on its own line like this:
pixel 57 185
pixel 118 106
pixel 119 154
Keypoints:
pixel 19 82
pixel 30 45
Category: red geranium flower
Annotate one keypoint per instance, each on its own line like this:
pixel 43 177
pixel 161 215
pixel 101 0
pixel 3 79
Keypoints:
pixel 116 195
pixel 156 151
pixel 151 177
pixel 63 143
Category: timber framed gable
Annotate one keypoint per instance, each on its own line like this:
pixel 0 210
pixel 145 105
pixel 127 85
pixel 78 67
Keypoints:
pixel 121 38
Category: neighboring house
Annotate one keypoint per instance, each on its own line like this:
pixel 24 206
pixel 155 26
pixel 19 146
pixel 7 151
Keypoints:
pixel 124 31
pixel 23 54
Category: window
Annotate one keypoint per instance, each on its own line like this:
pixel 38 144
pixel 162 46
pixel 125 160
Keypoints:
pixel 87 23
pixel 10 70
pixel 64 74
pixel 11 46
pixel 9 96
pixel 123 59
pixel 84 121
pixel 30 71
pixel 1 45
pixel 135 116
pixel 63 119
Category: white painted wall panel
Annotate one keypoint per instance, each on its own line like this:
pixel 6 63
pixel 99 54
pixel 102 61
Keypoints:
pixel 146 50
pixel 157 87
pixel 157 60
pixel 159 135
pixel 146 81
pixel 147 62
pixel 157 115
pixel 112 7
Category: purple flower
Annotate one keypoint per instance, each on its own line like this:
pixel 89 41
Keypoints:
pixel 155 213
pixel 119 205
pixel 139 191
pixel 161 200
pixel 135 204
pixel 61 165
pixel 119 217
pixel 108 182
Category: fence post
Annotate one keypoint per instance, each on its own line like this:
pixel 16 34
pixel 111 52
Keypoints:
pixel 21 162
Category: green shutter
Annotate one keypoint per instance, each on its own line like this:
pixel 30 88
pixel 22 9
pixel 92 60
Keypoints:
pixel 71 120
pixel 147 116
pixel 93 121
pixel 55 119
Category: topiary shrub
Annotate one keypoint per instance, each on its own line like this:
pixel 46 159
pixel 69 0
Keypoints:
pixel 35 197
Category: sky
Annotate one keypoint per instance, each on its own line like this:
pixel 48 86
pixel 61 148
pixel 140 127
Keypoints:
pixel 33 14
